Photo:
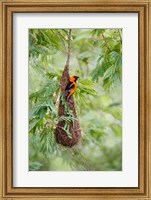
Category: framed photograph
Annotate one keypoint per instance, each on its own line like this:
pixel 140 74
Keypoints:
pixel 75 100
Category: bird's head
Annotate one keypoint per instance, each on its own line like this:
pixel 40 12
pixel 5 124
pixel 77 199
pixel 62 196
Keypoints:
pixel 74 78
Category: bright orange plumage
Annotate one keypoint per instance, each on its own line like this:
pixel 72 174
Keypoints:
pixel 71 87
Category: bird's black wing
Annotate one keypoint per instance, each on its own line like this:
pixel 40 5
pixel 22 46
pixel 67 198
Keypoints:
pixel 68 88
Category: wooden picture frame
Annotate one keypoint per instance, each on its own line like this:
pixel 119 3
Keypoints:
pixel 7 8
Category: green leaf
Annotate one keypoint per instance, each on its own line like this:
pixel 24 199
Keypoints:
pixel 34 166
pixel 86 86
pixel 33 124
pixel 116 129
pixel 97 32
pixel 109 72
pixel 117 59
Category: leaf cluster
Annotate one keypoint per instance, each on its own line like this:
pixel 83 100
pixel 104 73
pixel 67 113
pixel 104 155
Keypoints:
pixel 109 61
pixel 47 41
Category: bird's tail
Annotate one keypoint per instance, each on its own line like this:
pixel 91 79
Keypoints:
pixel 67 95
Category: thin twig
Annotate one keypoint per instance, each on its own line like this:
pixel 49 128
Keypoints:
pixel 69 47
pixel 56 96
pixel 106 42
pixel 120 35
pixel 65 74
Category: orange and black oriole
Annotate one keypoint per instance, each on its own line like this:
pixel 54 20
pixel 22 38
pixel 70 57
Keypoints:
pixel 71 86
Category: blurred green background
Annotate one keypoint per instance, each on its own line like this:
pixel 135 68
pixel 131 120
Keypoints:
pixel 96 56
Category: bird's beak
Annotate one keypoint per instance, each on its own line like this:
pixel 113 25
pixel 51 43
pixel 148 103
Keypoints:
pixel 77 77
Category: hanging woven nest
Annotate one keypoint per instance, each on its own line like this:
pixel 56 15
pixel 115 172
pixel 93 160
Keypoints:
pixel 73 126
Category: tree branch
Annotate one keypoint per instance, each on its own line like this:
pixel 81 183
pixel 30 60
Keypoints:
pixel 106 42
pixel 65 75
pixel 69 47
